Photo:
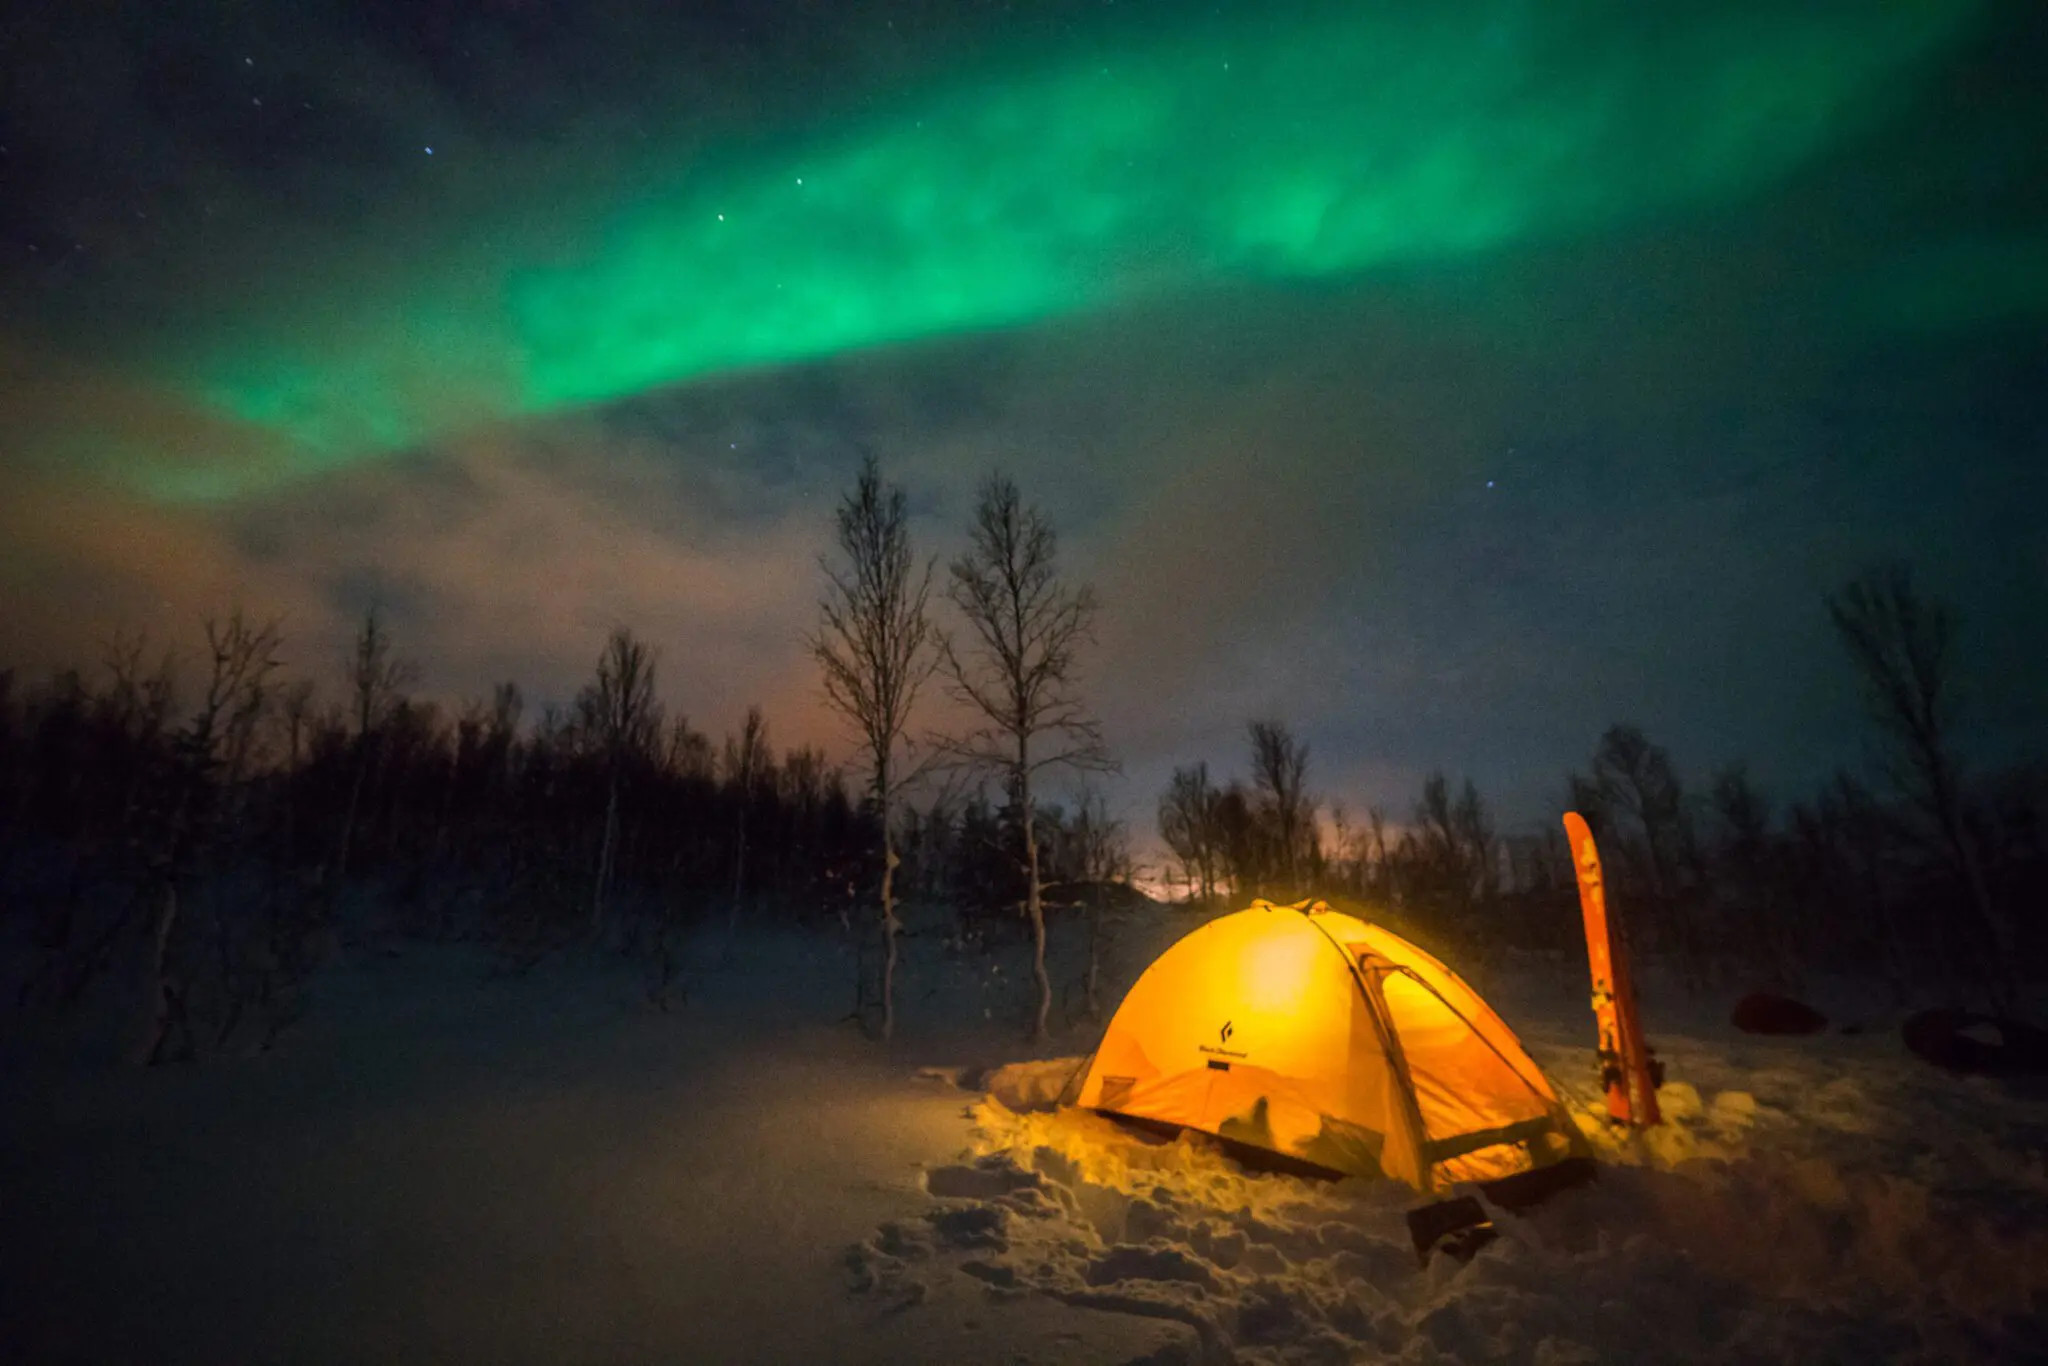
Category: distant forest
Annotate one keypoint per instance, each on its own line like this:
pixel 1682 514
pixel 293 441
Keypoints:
pixel 231 821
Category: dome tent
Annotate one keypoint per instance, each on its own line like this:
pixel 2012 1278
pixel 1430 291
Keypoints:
pixel 1331 1040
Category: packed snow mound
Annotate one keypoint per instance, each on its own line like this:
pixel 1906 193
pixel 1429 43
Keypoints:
pixel 1807 1214
pixel 1032 1085
pixel 1693 1129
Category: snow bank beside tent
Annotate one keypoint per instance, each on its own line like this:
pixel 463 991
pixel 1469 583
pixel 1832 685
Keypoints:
pixel 1826 1202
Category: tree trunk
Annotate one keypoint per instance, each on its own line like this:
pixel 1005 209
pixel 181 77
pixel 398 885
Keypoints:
pixel 1289 838
pixel 1994 926
pixel 664 957
pixel 291 802
pixel 1034 907
pixel 1897 957
pixel 604 858
pixel 163 992
pixel 739 888
pixel 888 917
pixel 355 799
pixel 1094 952
pixel 441 821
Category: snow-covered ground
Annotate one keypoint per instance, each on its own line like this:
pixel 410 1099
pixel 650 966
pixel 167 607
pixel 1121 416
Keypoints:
pixel 436 1165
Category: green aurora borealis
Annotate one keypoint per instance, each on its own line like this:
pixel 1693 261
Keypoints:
pixel 1235 152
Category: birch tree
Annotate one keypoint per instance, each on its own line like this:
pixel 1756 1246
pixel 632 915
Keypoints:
pixel 1101 854
pixel 1025 628
pixel 1901 645
pixel 1187 824
pixel 241 657
pixel 876 649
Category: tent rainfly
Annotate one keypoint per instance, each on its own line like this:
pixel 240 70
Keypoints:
pixel 1331 1040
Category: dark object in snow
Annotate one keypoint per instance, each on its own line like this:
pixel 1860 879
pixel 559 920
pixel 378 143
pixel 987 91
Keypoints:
pixel 1461 1226
pixel 989 1178
pixel 1526 1190
pixel 970 1226
pixel 1764 1012
pixel 1464 1245
pixel 1979 1045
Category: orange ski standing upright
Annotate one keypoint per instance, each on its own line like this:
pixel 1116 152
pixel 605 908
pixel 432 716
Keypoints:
pixel 1625 1063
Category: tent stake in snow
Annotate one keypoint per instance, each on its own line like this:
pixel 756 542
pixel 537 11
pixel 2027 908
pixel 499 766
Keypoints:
pixel 1626 1065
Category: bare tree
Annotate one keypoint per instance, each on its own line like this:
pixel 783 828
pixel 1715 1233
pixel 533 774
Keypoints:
pixel 1635 798
pixel 1102 855
pixel 1746 859
pixel 1900 643
pixel 1188 825
pixel 374 681
pixel 1454 841
pixel 686 759
pixel 295 718
pixel 1474 826
pixel 745 759
pixel 687 752
pixel 1280 776
pixel 1374 882
pixel 1341 864
pixel 1243 842
pixel 141 705
pixel 1026 627
pixel 876 648
pixel 1636 781
pixel 241 657
pixel 619 714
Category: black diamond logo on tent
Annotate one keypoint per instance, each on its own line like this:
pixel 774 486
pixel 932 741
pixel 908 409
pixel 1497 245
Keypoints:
pixel 1224 1033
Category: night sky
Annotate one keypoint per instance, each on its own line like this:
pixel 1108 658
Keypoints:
pixel 1447 380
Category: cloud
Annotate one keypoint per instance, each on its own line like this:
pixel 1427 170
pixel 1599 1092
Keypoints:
pixel 82 562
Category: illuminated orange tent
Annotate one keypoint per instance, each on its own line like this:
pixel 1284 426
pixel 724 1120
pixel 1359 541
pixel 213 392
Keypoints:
pixel 1325 1038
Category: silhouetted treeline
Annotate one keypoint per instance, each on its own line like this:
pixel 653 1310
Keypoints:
pixel 229 824
pixel 1721 883
pixel 964 854
pixel 195 834
pixel 1927 876
pixel 200 831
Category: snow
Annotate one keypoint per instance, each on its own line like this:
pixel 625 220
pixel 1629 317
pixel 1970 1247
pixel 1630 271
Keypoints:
pixel 438 1167
pixel 1833 1219
pixel 444 1163
pixel 1825 1198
